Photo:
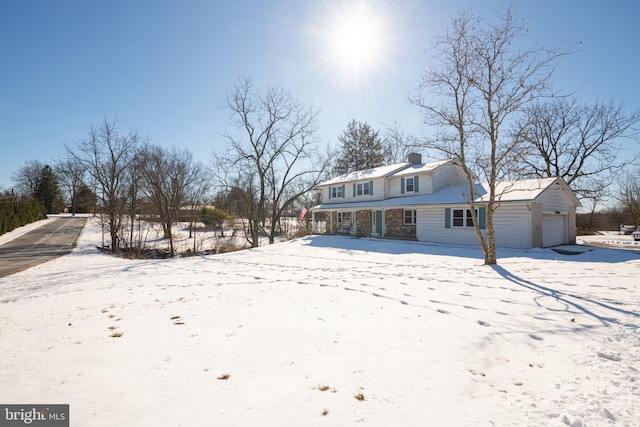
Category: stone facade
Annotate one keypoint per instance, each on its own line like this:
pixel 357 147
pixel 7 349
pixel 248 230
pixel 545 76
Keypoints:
pixel 363 223
pixel 395 227
pixel 394 224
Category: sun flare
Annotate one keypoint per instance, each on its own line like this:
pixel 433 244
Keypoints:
pixel 356 39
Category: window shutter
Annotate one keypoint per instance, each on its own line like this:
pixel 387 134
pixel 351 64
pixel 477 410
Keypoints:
pixel 371 188
pixel 402 186
pixel 343 191
pixel 482 218
pixel 354 190
pixel 329 192
pixel 415 184
pixel 447 217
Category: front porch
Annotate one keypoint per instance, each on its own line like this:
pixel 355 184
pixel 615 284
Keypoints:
pixel 389 223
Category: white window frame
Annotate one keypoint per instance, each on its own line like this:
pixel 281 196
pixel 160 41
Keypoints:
pixel 467 219
pixel 409 184
pixel 336 192
pixel 345 217
pixel 412 214
pixel 363 189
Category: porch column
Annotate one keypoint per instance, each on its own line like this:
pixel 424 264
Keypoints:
pixel 331 222
pixel 313 222
pixel 354 227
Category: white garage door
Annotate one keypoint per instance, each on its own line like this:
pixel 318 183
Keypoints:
pixel 553 230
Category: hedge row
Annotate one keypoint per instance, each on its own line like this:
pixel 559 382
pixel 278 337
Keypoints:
pixel 22 213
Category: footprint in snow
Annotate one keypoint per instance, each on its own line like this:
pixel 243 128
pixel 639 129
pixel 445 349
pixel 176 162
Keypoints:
pixel 482 323
pixel 536 337
pixel 612 357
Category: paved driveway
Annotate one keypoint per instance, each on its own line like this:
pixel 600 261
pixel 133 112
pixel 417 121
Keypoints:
pixel 54 239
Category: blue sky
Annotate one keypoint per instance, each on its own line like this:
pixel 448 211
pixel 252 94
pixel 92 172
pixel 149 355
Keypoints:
pixel 163 67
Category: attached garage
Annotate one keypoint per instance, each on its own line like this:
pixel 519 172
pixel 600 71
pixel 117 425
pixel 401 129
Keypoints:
pixel 530 213
pixel 554 230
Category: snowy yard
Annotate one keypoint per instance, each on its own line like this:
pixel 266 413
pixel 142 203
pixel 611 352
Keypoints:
pixel 328 331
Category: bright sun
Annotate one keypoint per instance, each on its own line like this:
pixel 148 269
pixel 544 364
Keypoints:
pixel 356 40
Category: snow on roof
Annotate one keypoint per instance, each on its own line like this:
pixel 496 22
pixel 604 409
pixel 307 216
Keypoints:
pixel 513 191
pixel 378 172
pixel 422 167
pixel 397 169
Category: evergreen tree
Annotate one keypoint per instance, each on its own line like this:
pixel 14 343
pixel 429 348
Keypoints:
pixel 85 200
pixel 47 190
pixel 362 148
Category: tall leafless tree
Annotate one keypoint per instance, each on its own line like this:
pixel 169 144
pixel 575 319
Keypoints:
pixel 273 158
pixel 170 176
pixel 629 197
pixel 580 143
pixel 477 86
pixel 106 155
pixel 26 178
pixel 398 144
pixel 71 175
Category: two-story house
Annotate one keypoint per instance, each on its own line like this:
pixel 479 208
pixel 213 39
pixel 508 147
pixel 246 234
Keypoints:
pixel 429 202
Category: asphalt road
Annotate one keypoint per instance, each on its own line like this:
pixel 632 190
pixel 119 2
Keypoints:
pixel 54 239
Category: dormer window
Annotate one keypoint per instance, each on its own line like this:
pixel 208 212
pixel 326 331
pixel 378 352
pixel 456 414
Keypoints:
pixel 409 185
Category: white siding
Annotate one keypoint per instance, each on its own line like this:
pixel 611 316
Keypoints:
pixel 378 192
pixel 554 199
pixel 430 227
pixel 511 224
pixel 446 176
pixel 425 185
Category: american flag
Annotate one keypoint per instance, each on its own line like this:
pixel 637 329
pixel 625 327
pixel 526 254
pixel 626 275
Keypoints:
pixel 303 212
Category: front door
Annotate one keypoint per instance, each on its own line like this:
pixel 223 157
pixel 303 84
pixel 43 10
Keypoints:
pixel 377 222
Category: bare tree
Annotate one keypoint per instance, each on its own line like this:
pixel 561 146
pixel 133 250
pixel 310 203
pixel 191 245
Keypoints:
pixel 629 197
pixel 169 177
pixel 26 178
pixel 273 158
pixel 71 175
pixel 479 84
pixel 106 155
pixel 579 143
pixel 397 144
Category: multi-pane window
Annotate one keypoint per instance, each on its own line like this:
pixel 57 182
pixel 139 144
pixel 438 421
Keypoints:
pixel 409 217
pixel 462 218
pixel 363 189
pixel 409 185
pixel 336 192
pixel 345 217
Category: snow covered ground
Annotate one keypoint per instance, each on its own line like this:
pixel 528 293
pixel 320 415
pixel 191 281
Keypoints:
pixel 328 331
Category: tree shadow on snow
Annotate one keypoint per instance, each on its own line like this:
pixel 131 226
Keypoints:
pixel 569 300
pixel 575 253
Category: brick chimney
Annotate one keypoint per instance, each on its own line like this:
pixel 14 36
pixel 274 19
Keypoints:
pixel 414 158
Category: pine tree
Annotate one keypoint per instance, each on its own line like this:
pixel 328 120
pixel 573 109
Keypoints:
pixel 361 149
pixel 47 190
